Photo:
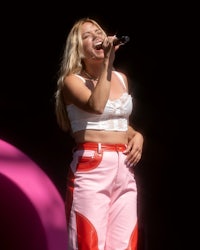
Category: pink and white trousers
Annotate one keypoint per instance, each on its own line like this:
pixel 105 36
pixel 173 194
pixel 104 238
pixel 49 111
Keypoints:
pixel 101 199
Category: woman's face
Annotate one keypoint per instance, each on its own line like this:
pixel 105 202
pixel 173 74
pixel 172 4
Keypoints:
pixel 91 37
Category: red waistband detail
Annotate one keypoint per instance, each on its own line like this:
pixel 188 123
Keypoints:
pixel 101 146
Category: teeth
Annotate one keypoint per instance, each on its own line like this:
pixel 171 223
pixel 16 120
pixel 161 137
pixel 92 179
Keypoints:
pixel 99 43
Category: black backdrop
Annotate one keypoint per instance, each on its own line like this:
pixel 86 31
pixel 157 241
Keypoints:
pixel 33 37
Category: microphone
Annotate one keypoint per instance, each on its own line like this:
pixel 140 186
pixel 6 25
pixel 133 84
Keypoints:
pixel 121 41
pixel 117 41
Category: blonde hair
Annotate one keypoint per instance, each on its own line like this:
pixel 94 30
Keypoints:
pixel 71 63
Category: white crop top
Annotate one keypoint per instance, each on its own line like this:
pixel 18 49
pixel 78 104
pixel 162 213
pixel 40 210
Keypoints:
pixel 114 118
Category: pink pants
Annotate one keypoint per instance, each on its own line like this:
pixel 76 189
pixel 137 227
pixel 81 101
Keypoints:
pixel 101 201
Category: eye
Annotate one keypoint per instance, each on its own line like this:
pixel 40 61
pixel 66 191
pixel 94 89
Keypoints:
pixel 99 33
pixel 86 35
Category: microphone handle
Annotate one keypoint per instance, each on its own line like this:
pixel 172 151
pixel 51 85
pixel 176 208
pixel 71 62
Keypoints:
pixel 121 40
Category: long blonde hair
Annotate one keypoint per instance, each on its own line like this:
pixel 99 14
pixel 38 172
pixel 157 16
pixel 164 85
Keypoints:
pixel 71 63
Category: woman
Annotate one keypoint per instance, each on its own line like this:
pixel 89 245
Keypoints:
pixel 93 103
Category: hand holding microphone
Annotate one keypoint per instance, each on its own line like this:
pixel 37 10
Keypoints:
pixel 117 41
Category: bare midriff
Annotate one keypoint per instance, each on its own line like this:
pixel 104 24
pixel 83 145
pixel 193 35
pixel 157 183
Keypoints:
pixel 108 137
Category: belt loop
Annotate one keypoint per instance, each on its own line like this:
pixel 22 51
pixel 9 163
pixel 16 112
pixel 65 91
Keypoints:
pixel 99 148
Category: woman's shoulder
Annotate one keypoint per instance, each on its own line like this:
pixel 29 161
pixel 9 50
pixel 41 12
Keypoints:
pixel 73 79
pixel 122 76
pixel 80 77
pixel 74 76
pixel 119 73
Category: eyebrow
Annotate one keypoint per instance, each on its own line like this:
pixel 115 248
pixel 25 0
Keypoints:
pixel 96 30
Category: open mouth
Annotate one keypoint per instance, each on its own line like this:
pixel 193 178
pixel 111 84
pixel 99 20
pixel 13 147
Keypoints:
pixel 98 45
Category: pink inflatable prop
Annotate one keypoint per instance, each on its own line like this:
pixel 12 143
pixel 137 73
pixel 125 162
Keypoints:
pixel 32 213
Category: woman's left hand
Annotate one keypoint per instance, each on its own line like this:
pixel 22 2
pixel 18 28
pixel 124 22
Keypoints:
pixel 134 149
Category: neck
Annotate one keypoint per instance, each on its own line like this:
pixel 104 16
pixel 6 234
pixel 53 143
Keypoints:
pixel 90 76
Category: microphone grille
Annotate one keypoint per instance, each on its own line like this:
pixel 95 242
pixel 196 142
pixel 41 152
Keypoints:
pixel 125 39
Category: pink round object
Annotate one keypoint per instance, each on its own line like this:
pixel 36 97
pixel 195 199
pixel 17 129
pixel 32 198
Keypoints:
pixel 32 212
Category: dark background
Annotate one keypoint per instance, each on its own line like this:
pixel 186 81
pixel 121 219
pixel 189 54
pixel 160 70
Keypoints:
pixel 33 37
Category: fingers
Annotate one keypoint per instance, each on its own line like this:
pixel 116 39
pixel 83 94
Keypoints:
pixel 133 156
pixel 108 42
